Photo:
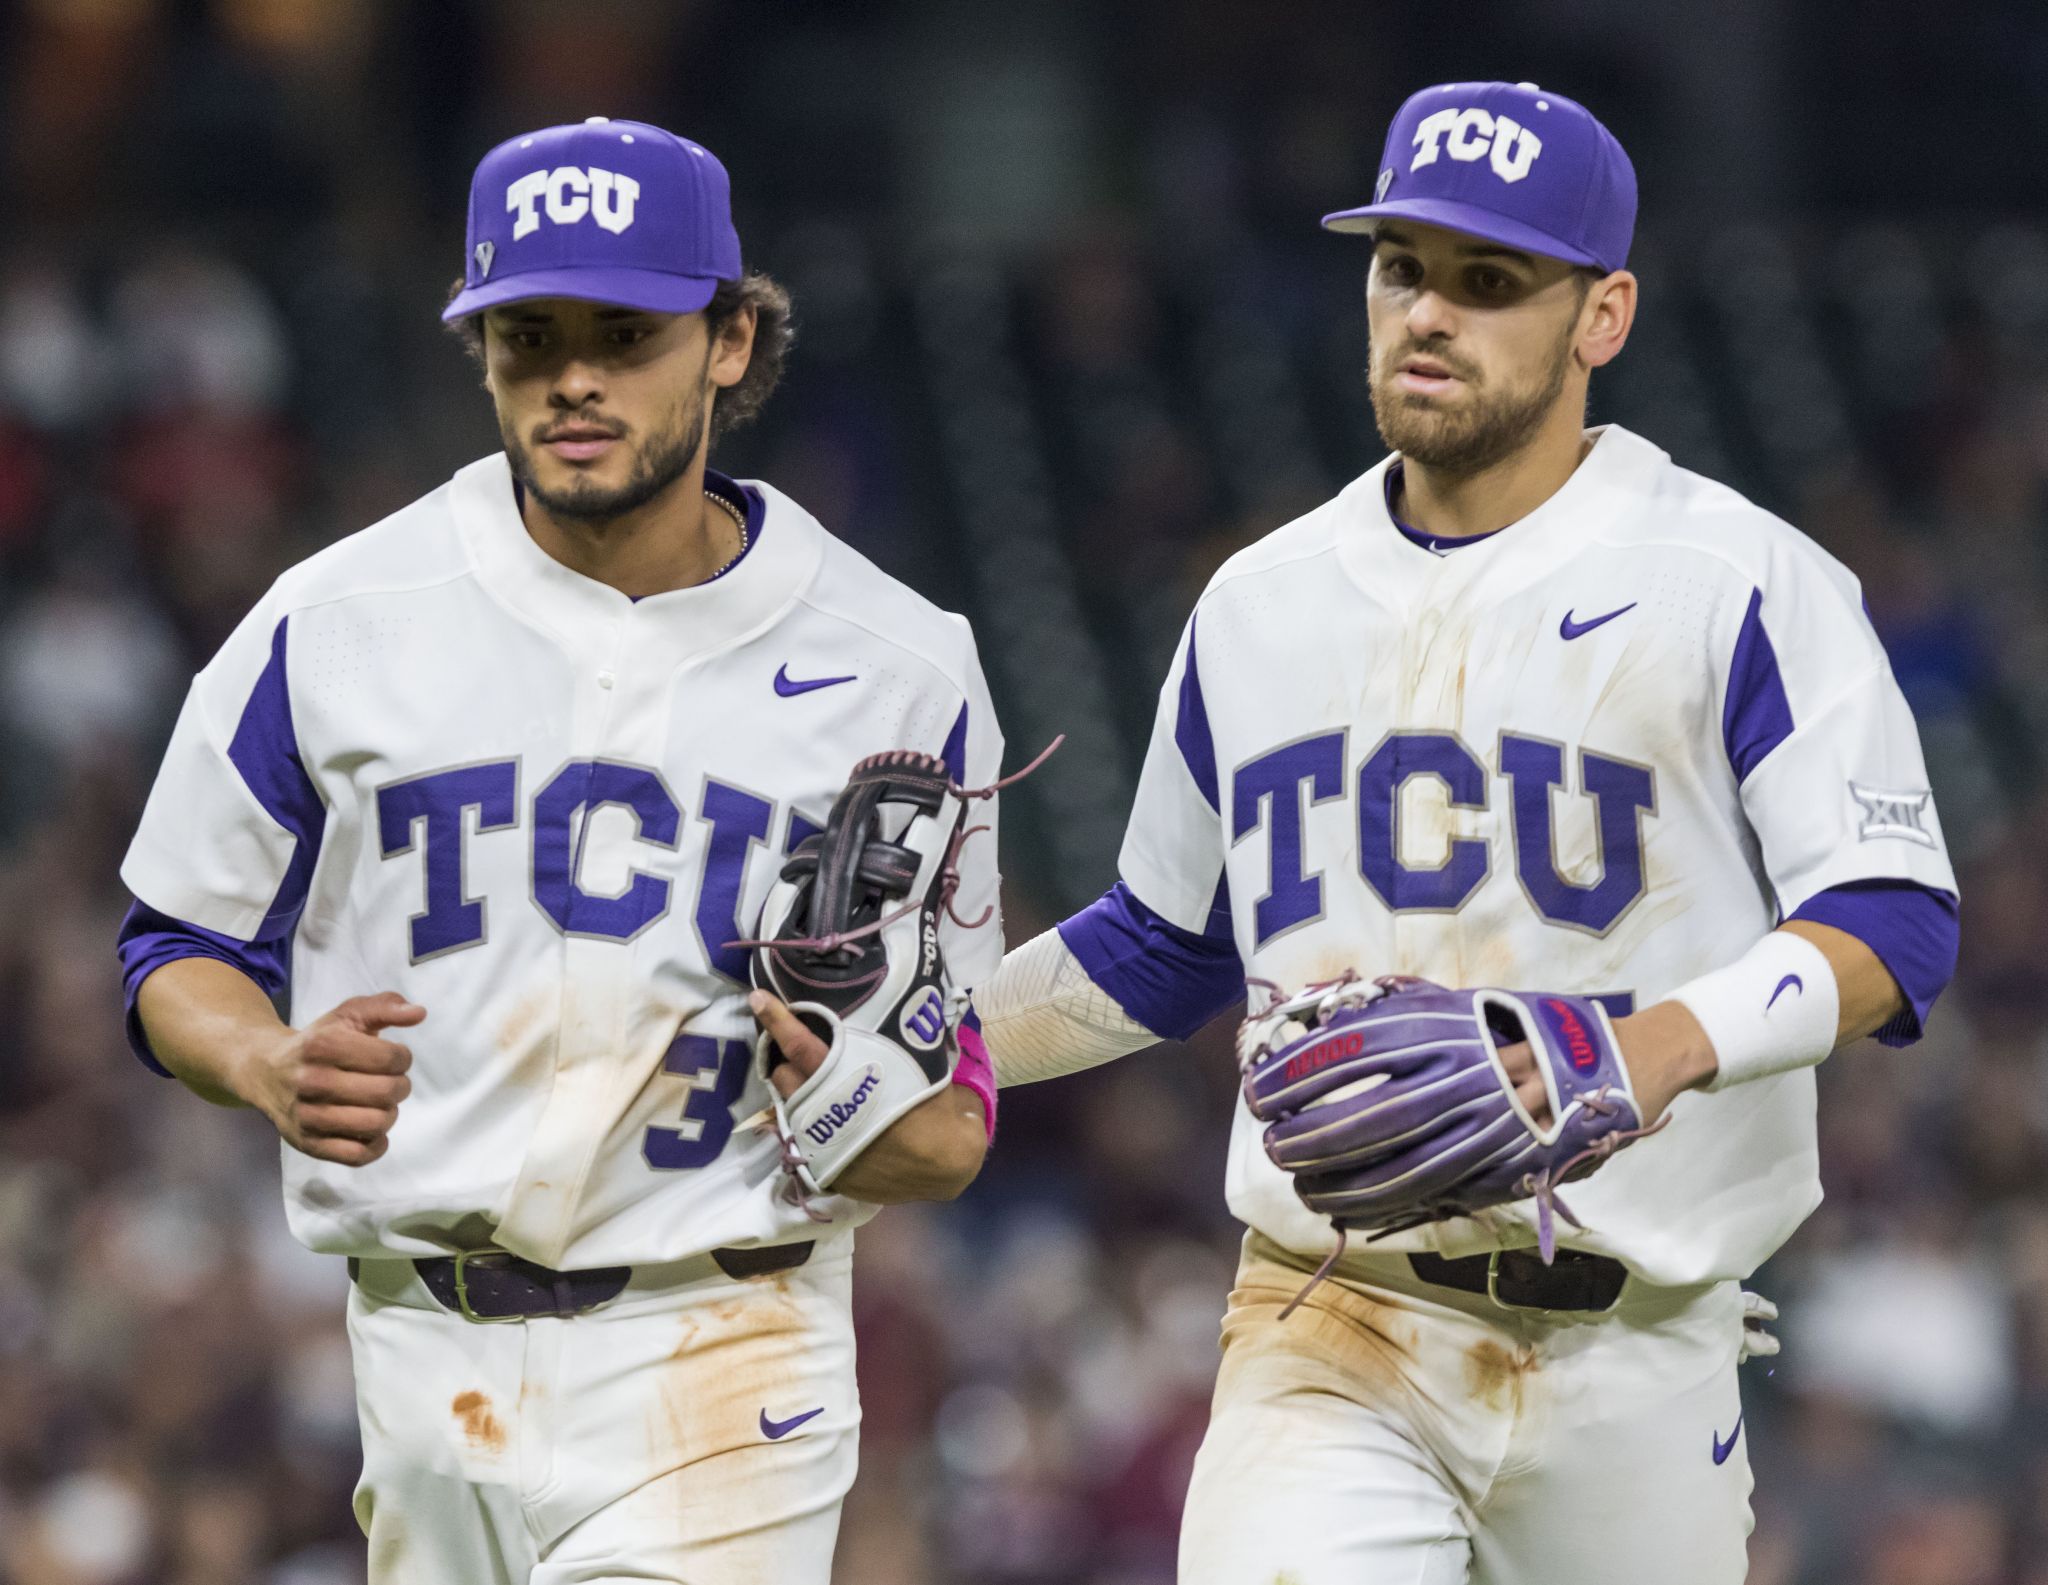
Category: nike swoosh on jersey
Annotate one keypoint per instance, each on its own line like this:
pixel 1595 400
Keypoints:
pixel 1791 980
pixel 790 687
pixel 1569 630
pixel 775 1430
pixel 1723 1449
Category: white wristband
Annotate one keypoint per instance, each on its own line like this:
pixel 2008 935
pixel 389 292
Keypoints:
pixel 1773 1009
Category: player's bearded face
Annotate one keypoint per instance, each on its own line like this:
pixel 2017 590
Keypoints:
pixel 1470 353
pixel 1491 416
pixel 656 458
pixel 597 444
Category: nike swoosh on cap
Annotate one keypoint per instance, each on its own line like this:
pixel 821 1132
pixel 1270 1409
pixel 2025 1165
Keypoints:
pixel 789 687
pixel 775 1430
pixel 1569 630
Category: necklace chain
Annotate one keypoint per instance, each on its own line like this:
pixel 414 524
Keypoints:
pixel 739 519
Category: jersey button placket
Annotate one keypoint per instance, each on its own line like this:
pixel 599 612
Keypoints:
pixel 541 1213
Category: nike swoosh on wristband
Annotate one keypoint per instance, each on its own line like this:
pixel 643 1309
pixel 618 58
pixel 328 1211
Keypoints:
pixel 1794 981
pixel 1723 1449
pixel 775 1430
pixel 789 687
pixel 1569 630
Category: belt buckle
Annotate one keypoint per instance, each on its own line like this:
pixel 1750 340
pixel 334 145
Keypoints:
pixel 490 1259
pixel 1493 1289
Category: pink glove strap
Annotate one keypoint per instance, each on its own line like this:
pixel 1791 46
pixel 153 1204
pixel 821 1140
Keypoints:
pixel 976 1072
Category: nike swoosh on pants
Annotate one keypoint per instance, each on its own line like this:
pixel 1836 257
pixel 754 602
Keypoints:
pixel 775 1430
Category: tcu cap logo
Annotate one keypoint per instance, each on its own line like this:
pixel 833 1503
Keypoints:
pixel 568 193
pixel 1474 134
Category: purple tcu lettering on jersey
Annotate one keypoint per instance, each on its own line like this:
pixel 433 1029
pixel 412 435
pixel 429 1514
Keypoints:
pixel 434 804
pixel 717 1071
pixel 1269 787
pixel 1622 795
pixel 738 819
pixel 1267 790
pixel 561 818
pixel 1400 758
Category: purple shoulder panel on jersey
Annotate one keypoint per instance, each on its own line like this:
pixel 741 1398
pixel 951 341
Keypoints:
pixel 955 752
pixel 1913 929
pixel 1170 980
pixel 149 940
pixel 1755 715
pixel 265 750
pixel 1191 729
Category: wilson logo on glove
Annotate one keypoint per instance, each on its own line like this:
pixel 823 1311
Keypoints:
pixel 1577 1042
pixel 925 1024
pixel 840 1113
pixel 1321 1056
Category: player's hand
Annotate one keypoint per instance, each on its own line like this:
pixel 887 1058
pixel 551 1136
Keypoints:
pixel 333 1088
pixel 1758 1341
pixel 931 1152
pixel 1520 1062
pixel 1664 1047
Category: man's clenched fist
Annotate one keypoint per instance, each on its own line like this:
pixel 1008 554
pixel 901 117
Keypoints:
pixel 333 1088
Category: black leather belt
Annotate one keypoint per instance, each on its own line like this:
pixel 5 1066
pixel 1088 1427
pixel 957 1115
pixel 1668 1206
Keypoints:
pixel 491 1285
pixel 1518 1279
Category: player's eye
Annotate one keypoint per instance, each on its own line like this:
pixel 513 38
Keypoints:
pixel 526 340
pixel 1400 269
pixel 1488 281
pixel 630 335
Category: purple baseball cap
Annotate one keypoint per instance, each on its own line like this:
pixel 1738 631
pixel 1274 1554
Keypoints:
pixel 607 211
pixel 1509 162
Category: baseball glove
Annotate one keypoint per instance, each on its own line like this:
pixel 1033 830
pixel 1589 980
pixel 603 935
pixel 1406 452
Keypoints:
pixel 849 940
pixel 1388 1102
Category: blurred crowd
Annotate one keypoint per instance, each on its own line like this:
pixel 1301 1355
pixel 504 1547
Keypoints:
pixel 1060 351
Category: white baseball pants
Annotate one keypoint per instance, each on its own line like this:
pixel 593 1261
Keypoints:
pixel 1395 1432
pixel 700 1432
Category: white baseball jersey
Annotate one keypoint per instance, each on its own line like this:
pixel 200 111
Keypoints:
pixel 542 810
pixel 1603 751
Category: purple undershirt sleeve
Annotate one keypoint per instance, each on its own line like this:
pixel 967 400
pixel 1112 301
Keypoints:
pixel 1913 929
pixel 1171 980
pixel 149 940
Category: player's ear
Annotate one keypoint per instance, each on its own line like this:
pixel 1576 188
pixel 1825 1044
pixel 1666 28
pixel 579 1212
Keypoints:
pixel 1606 317
pixel 732 346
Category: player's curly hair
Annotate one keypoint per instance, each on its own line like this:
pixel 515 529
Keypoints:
pixel 774 334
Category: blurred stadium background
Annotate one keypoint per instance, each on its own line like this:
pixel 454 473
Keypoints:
pixel 1069 336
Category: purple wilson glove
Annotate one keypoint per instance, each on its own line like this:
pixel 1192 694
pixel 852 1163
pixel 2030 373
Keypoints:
pixel 1390 1106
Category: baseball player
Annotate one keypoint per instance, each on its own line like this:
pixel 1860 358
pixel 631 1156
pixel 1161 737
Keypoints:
pixel 499 787
pixel 1603 768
